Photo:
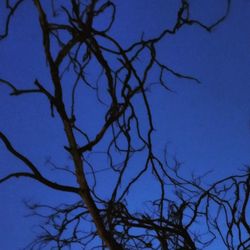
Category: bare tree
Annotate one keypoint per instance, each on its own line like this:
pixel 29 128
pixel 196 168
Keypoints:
pixel 74 42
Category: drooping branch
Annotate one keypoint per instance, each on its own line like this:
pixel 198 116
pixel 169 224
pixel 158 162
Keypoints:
pixel 35 173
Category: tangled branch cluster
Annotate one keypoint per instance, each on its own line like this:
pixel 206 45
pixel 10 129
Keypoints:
pixel 73 47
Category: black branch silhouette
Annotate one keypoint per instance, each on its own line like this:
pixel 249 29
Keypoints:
pixel 72 43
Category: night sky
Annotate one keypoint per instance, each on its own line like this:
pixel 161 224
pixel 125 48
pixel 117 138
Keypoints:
pixel 206 126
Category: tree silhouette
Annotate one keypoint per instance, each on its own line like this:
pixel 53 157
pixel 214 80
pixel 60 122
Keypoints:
pixel 77 39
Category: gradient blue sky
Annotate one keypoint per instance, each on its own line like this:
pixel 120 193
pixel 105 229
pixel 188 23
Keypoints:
pixel 207 126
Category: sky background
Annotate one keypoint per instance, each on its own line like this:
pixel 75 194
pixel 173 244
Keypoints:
pixel 206 126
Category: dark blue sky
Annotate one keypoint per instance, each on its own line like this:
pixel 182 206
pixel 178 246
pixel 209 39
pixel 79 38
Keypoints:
pixel 206 126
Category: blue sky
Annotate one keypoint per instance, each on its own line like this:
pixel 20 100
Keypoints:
pixel 206 126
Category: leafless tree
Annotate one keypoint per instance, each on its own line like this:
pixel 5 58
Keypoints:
pixel 73 44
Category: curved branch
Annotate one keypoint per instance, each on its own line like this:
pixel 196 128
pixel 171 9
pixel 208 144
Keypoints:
pixel 35 172
pixel 42 180
pixel 10 15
